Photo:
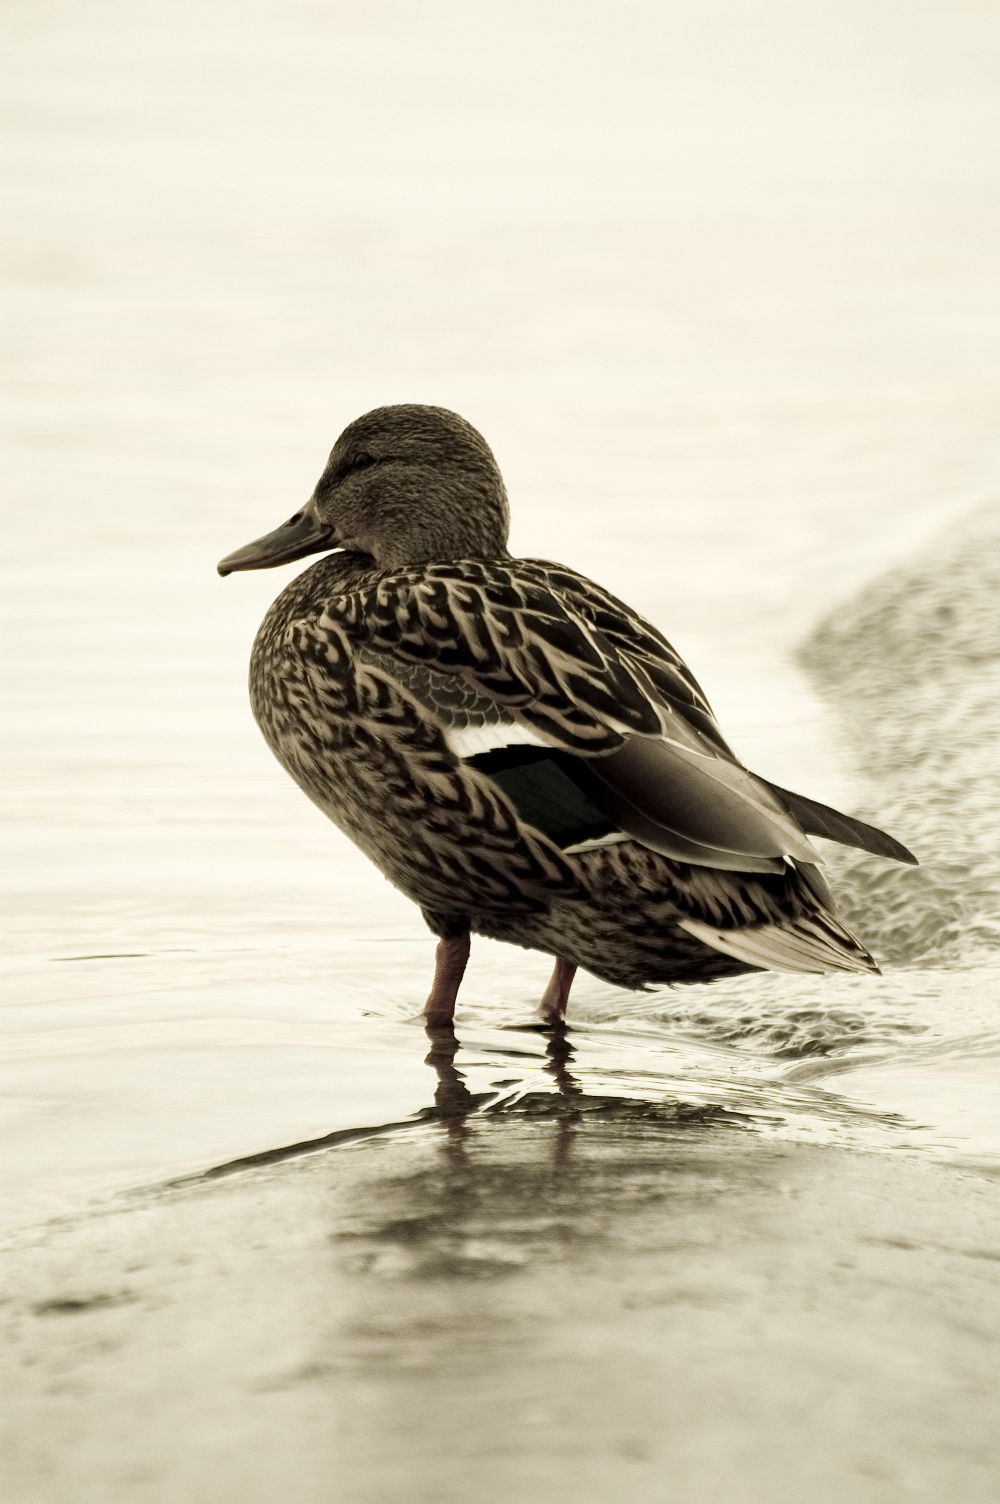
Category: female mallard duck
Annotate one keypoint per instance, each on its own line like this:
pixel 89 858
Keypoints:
pixel 519 752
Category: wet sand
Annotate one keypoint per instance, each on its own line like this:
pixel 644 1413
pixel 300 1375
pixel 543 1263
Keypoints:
pixel 570 1302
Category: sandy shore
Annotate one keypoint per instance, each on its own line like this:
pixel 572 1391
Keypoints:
pixel 569 1307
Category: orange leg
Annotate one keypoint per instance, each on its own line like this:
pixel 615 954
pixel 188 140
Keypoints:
pixel 450 961
pixel 556 995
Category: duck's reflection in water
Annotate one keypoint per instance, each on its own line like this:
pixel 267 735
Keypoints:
pixel 511 1178
pixel 453 1100
pixel 454 1103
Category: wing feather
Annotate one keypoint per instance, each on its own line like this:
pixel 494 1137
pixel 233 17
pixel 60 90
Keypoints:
pixel 810 943
pixel 819 820
pixel 581 672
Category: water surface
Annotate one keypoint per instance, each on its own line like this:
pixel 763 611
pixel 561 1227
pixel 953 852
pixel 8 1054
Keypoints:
pixel 725 304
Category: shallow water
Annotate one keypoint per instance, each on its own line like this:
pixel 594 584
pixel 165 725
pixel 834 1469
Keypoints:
pixel 733 373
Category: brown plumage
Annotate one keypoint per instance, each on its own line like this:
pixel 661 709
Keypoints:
pixel 519 752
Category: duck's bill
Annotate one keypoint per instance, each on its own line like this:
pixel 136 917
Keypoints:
pixel 301 535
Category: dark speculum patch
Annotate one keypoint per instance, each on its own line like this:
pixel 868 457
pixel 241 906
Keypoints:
pixel 547 789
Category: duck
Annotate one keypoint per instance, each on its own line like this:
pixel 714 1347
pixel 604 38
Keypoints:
pixel 523 755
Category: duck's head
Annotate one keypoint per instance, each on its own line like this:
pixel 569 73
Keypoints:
pixel 404 485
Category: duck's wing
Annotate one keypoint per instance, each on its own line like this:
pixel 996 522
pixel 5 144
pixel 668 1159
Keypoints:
pixel 579 710
pixel 643 645
pixel 639 642
pixel 820 820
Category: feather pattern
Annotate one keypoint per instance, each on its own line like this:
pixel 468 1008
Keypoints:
pixel 815 942
pixel 521 753
pixel 412 683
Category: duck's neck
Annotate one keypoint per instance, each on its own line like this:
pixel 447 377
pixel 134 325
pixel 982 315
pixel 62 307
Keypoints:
pixel 466 519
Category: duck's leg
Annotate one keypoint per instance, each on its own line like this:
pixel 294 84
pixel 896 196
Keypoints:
pixel 552 1008
pixel 450 961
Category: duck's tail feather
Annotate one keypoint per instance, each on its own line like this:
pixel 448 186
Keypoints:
pixel 819 820
pixel 813 943
pixel 817 884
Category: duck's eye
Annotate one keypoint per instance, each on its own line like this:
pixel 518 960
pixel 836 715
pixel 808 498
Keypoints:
pixel 361 462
